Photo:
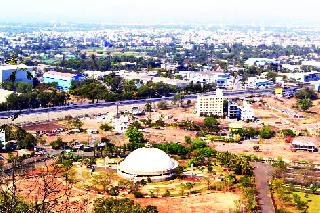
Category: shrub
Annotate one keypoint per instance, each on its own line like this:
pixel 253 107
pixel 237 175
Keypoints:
pixel 106 127
pixel 138 194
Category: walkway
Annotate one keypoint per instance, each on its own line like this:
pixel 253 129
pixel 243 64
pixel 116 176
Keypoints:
pixel 263 176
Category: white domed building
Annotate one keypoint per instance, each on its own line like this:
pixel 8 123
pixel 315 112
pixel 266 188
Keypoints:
pixel 144 163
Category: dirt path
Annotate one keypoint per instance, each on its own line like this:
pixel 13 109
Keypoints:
pixel 263 176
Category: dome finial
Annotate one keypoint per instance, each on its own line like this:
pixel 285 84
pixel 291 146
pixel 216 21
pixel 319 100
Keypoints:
pixel 148 145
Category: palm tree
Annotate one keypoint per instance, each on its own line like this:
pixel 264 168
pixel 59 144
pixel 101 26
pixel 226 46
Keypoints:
pixel 29 75
pixel 94 61
pixel 13 76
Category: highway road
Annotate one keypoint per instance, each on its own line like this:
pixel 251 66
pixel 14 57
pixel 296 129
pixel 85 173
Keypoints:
pixel 229 94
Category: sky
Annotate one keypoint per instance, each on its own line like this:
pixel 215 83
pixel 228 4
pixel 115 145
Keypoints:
pixel 267 12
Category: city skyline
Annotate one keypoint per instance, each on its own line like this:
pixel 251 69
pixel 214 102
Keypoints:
pixel 163 12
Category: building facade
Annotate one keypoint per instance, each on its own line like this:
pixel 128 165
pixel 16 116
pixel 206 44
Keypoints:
pixel 64 80
pixel 21 73
pixel 210 105
pixel 233 111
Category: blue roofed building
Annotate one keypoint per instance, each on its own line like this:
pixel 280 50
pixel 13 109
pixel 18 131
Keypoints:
pixel 64 80
pixel 21 73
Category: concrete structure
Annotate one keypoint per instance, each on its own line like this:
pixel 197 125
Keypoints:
pixel 247 112
pixel 305 144
pixel 254 82
pixel 233 111
pixel 21 73
pixel 63 80
pixel 210 105
pixel 147 163
pixel 120 125
pixel 259 61
pixel 304 77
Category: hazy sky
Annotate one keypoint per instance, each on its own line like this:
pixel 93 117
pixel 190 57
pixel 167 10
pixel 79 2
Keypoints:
pixel 163 11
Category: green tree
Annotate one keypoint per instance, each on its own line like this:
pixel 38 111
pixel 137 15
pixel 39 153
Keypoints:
pixel 148 107
pixel 75 123
pixel 288 132
pixel 57 144
pixel 103 205
pixel 306 93
pixel 304 104
pixel 134 135
pixel 177 98
pixel 163 105
pixel 266 132
pixel 28 142
pixel 106 127
pixel 212 124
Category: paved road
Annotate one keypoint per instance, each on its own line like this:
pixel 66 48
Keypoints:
pixel 230 94
pixel 263 176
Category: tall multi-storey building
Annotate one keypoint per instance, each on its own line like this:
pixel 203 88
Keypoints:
pixel 233 111
pixel 210 105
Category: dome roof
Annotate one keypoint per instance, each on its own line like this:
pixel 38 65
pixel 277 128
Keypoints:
pixel 147 161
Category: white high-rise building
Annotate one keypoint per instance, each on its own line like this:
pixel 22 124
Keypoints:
pixel 210 105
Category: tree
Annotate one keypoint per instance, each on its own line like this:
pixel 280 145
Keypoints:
pixel 103 179
pixel 57 144
pixel 177 98
pixel 288 132
pixel 304 104
pixel 299 203
pixel 306 93
pixel 91 90
pixel 148 107
pixel 13 77
pixel 134 135
pixel 266 132
pixel 163 105
pixel 28 142
pixel 22 87
pixel 75 123
pixel 212 124
pixel 106 127
pixel 102 205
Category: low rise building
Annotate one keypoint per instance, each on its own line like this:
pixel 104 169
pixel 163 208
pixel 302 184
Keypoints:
pixel 120 125
pixel 309 144
pixel 23 73
pixel 247 112
pixel 63 80
pixel 233 111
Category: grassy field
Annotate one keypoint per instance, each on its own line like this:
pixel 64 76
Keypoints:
pixel 313 202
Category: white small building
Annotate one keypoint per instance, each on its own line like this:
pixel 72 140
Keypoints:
pixel 120 125
pixel 247 112
pixel 259 61
pixel 3 138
